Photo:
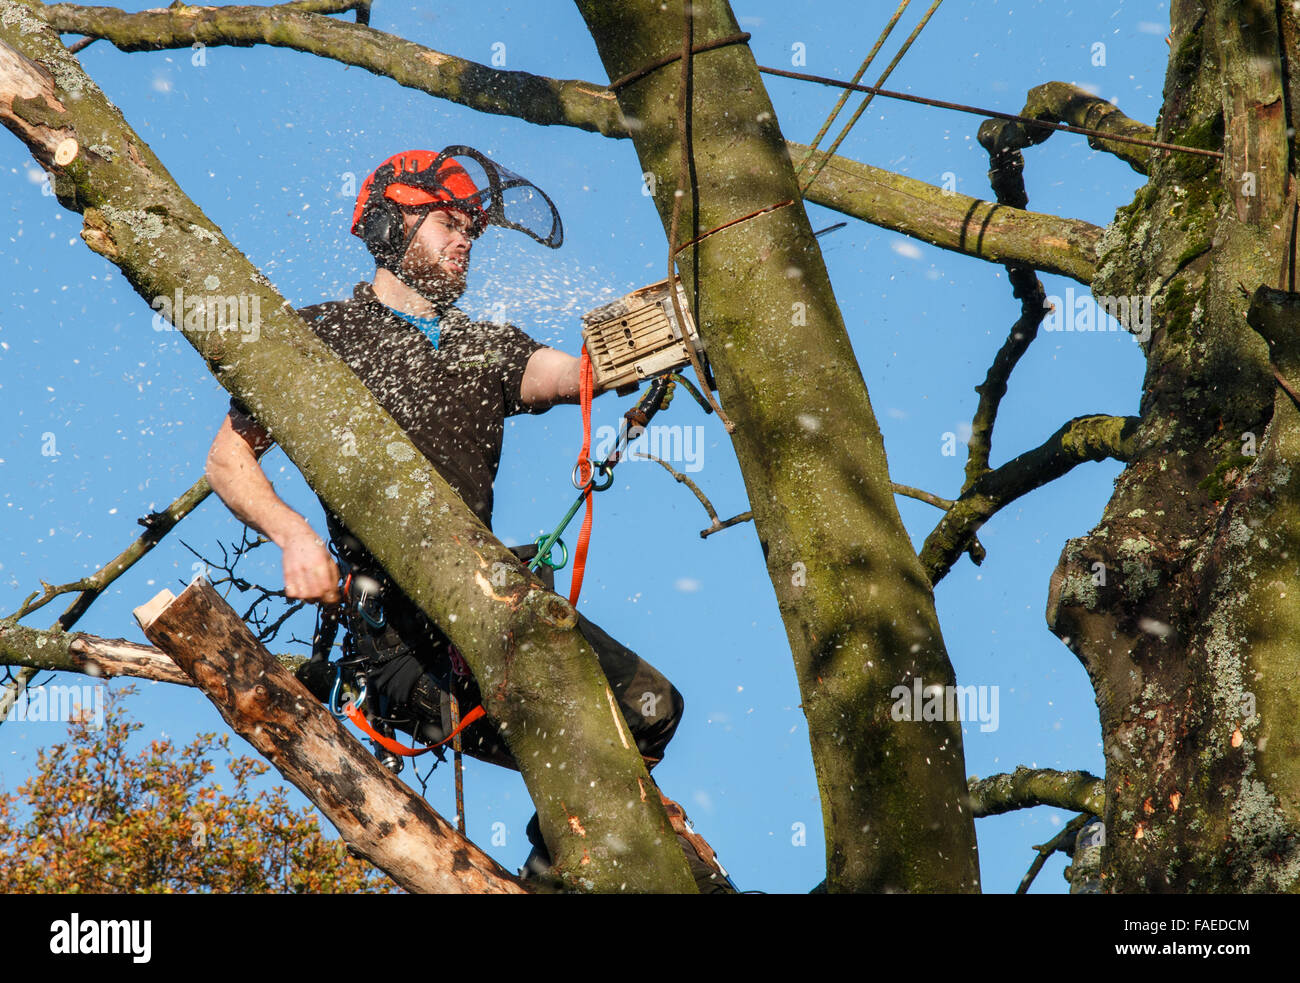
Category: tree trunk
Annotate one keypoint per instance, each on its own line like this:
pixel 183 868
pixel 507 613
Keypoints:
pixel 540 679
pixel 1181 604
pixel 858 610
pixel 380 818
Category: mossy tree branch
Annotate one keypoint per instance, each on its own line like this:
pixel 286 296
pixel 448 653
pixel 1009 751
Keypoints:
pixel 90 655
pixel 1061 102
pixel 1085 438
pixel 857 609
pixel 1025 788
pixel 532 98
pixel 945 219
pixel 956 222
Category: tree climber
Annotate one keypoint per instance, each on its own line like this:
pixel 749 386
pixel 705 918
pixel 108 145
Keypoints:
pixel 449 383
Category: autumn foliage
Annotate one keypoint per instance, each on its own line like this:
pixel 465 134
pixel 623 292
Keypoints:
pixel 95 819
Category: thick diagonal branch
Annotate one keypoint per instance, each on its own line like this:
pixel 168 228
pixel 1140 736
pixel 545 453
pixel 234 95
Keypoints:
pixel 1061 102
pixel 541 682
pixel 1029 787
pixel 1085 438
pixel 379 817
pixel 945 219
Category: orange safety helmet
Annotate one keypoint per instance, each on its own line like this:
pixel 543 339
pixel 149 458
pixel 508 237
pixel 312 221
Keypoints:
pixel 457 177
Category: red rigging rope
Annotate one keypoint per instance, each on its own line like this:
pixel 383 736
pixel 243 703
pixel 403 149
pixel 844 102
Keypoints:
pixel 358 718
pixel 586 383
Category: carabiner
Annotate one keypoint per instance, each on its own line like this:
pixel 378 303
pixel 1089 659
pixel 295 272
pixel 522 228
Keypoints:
pixel 602 468
pixel 541 557
pixel 336 695
pixel 335 692
pixel 368 590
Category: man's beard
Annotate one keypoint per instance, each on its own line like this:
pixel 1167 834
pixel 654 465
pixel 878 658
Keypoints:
pixel 436 285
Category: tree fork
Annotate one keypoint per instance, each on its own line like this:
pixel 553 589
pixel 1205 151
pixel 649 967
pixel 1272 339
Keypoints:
pixel 541 681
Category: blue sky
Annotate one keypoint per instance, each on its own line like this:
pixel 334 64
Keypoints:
pixel 267 141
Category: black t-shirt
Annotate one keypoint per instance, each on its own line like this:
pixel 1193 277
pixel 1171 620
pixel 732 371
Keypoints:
pixel 451 401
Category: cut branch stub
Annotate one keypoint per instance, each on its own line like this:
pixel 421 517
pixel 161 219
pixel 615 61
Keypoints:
pixel 379 817
pixel 1275 316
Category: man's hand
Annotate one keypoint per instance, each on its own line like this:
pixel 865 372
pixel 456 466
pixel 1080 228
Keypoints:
pixel 309 570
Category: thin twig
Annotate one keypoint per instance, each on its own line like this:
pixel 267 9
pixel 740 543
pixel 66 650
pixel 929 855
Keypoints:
pixel 923 496
pixel 1047 849
pixel 717 525
pixel 704 500
pixel 735 520
pixel 157 525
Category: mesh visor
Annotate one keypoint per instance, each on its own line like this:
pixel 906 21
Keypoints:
pixel 477 184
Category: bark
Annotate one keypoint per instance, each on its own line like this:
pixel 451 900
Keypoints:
pixel 378 816
pixel 858 610
pixel 541 681
pixel 78 652
pixel 1181 602
pixel 942 218
pixel 59 651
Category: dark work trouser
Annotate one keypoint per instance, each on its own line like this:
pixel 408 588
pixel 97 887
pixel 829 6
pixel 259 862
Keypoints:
pixel 418 669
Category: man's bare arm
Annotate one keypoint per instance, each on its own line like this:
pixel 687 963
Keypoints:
pixel 236 476
pixel 550 377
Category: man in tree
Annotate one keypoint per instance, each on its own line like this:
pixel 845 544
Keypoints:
pixel 449 383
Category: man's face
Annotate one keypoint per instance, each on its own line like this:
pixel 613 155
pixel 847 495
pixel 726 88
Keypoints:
pixel 438 259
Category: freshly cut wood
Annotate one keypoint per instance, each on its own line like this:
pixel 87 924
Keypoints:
pixel 378 816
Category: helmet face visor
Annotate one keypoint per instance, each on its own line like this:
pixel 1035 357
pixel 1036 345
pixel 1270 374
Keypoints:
pixel 477 184
pixel 462 178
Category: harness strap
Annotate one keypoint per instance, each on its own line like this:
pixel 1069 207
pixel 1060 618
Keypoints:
pixel 359 718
